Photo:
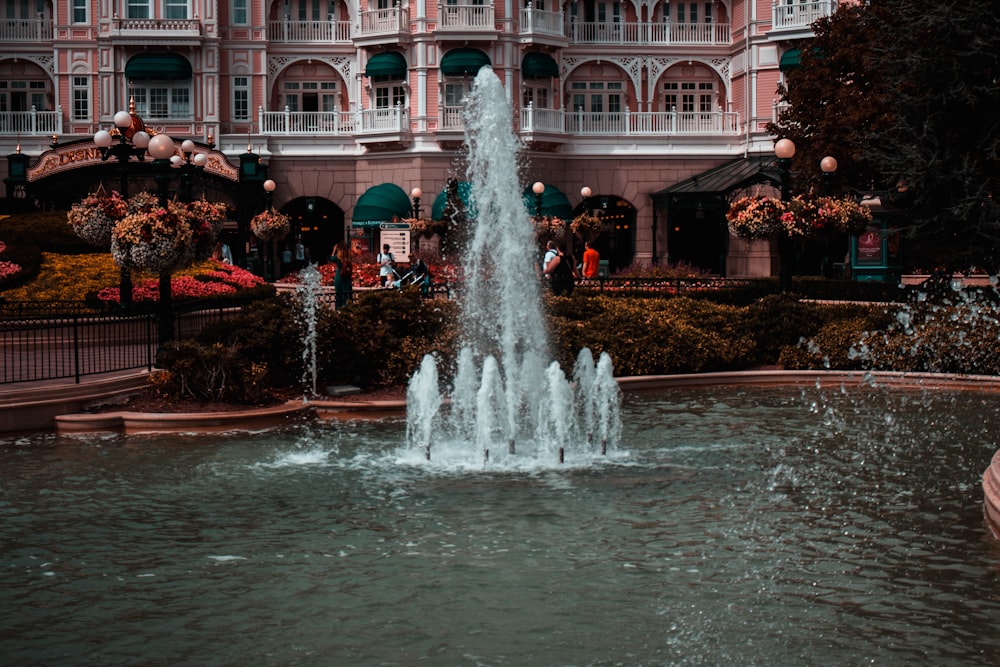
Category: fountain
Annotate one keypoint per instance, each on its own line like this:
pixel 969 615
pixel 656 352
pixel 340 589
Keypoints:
pixel 507 399
pixel 308 293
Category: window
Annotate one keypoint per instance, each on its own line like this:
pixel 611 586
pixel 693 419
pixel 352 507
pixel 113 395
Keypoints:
pixel 79 11
pixel 175 9
pixel 241 98
pixel 81 98
pixel 310 95
pixel 240 15
pixel 597 96
pixel 21 95
pixel 388 95
pixel 688 12
pixel 537 95
pixel 689 96
pixel 163 100
pixel 138 9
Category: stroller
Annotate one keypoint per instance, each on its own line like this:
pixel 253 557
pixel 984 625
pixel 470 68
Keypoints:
pixel 418 275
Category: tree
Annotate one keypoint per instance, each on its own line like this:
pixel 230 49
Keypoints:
pixel 904 93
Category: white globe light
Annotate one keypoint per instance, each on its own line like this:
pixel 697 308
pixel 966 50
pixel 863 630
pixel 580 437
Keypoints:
pixel 828 164
pixel 187 146
pixel 416 193
pixel 176 160
pixel 538 188
pixel 270 185
pixel 140 139
pixel 785 149
pixel 102 138
pixel 585 192
pixel 200 159
pixel 123 119
pixel 161 147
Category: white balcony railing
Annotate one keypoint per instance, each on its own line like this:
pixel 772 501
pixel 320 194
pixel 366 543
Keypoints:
pixel 306 122
pixel 325 32
pixel 655 123
pixel 466 16
pixel 31 122
pixel 787 14
pixel 384 21
pixel 173 27
pixel 538 22
pixel 26 30
pixel 389 120
pixel 451 118
pixel 655 33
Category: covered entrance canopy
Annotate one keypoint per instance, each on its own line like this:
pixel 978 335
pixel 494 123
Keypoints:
pixel 554 203
pixel 158 66
pixel 381 203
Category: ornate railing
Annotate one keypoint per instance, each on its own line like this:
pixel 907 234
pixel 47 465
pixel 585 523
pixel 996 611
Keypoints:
pixel 306 122
pixel 652 33
pixel 463 16
pixel 173 26
pixel 538 22
pixel 26 30
pixel 384 21
pixel 787 14
pixel 629 122
pixel 31 122
pixel 328 32
pixel 393 119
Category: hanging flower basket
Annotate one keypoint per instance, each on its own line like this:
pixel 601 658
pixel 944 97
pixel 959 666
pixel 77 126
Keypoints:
pixel 586 226
pixel 548 228
pixel 156 240
pixel 270 225
pixel 755 218
pixel 206 219
pixel 844 215
pixel 93 218
pixel 426 227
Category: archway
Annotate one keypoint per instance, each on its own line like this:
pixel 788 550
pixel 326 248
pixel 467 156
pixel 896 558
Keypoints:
pixel 616 242
pixel 318 223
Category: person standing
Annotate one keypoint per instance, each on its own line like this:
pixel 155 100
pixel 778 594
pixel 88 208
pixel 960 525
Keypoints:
pixel 386 265
pixel 343 285
pixel 559 271
pixel 591 261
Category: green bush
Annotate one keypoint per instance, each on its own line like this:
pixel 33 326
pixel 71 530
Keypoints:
pixel 23 252
pixel 50 230
pixel 210 372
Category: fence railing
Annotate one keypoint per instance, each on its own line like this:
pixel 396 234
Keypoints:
pixel 57 340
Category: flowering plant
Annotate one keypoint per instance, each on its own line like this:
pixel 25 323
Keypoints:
pixel 426 226
pixel 844 215
pixel 270 224
pixel 586 226
pixel 753 218
pixel 548 228
pixel 158 239
pixel 94 217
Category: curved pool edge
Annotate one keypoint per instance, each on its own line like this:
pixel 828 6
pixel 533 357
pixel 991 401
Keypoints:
pixel 182 422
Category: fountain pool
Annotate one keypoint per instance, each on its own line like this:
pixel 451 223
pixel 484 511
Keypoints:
pixel 758 526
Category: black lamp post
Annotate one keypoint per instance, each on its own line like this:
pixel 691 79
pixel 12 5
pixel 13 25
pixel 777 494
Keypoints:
pixel 161 148
pixel 188 165
pixel 269 188
pixel 539 189
pixel 132 142
pixel 784 150
pixel 828 166
pixel 415 195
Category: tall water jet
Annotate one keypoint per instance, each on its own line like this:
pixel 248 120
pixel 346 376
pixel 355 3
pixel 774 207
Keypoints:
pixel 308 292
pixel 520 402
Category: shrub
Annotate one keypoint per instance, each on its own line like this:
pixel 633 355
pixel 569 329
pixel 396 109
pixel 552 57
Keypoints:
pixel 50 230
pixel 210 372
pixel 21 252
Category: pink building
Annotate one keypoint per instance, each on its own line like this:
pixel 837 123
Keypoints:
pixel 658 107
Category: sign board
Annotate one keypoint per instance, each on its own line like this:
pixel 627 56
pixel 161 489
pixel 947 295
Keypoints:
pixel 870 248
pixel 397 235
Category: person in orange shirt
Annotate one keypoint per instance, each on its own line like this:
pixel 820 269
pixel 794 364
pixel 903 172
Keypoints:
pixel 591 261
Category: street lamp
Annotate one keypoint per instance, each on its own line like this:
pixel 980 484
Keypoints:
pixel 539 189
pixel 415 195
pixel 133 140
pixel 188 164
pixel 269 188
pixel 828 166
pixel 784 150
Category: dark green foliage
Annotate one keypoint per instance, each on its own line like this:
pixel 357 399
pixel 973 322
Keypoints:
pixel 50 230
pixel 210 372
pixel 23 252
pixel 381 337
pixel 837 344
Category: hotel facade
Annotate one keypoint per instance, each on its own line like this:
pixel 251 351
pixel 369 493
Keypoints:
pixel 657 107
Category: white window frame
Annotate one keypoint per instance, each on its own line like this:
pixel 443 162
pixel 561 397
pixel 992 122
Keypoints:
pixel 240 14
pixel 166 96
pixel 81 98
pixel 241 98
pixel 79 12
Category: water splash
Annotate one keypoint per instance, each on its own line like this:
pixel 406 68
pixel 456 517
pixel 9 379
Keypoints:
pixel 507 398
pixel 308 293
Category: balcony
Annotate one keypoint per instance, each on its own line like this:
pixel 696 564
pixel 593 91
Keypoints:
pixel 33 122
pixel 316 32
pixel 798 17
pixel 650 34
pixel 466 21
pixel 535 22
pixel 630 123
pixel 329 123
pixel 382 26
pixel 153 28
pixel 26 30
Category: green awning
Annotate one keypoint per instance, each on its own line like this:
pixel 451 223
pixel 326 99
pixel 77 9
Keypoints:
pixel 458 62
pixel 789 59
pixel 464 194
pixel 554 202
pixel 539 65
pixel 391 64
pixel 381 203
pixel 158 66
